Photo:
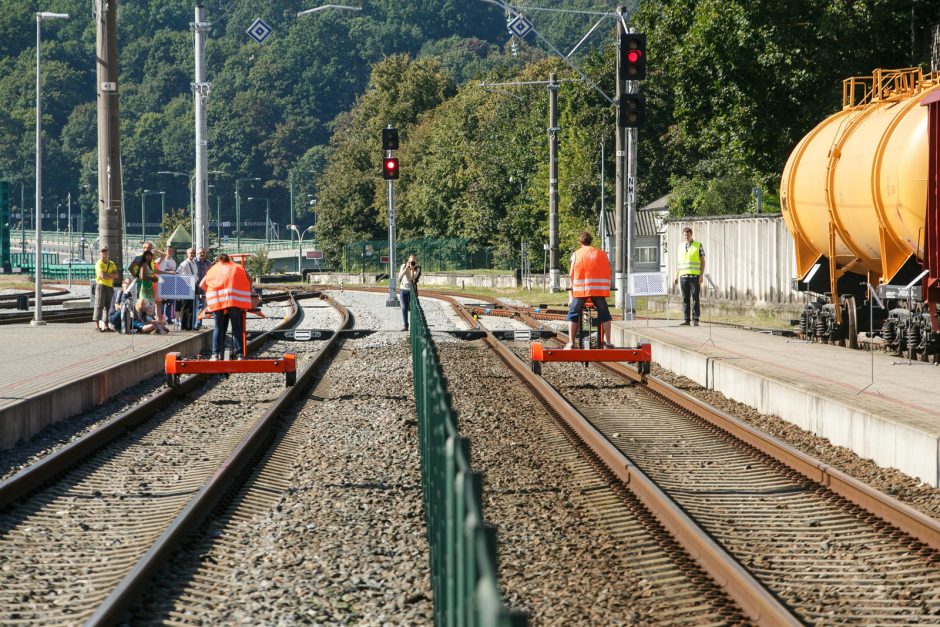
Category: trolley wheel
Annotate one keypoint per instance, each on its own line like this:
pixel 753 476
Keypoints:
pixel 537 367
pixel 291 377
pixel 172 380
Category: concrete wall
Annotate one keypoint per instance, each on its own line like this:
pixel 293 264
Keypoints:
pixel 750 258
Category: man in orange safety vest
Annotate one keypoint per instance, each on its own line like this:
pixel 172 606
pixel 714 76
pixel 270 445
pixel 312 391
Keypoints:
pixel 228 295
pixel 590 278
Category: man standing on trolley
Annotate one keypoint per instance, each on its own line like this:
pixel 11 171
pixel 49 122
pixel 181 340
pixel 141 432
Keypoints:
pixel 590 278
pixel 228 297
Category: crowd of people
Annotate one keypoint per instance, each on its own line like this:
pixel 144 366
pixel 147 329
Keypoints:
pixel 136 305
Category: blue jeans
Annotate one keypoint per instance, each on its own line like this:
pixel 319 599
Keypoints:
pixel 577 305
pixel 405 297
pixel 222 318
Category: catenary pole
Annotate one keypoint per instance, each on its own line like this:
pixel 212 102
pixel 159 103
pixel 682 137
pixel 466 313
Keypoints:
pixel 620 219
pixel 110 190
pixel 553 180
pixel 201 90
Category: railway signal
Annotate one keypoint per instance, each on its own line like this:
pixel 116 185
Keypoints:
pixel 633 57
pixel 390 168
pixel 390 172
pixel 631 110
pixel 389 139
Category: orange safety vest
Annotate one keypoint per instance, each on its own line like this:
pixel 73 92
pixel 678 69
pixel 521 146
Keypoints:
pixel 590 273
pixel 226 284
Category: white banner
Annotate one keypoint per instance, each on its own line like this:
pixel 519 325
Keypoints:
pixel 176 286
pixel 648 284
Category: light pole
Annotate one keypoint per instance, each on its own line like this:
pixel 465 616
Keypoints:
pixel 23 221
pixel 290 180
pixel 267 218
pixel 187 177
pixel 69 216
pixel 37 320
pixel 300 247
pixel 238 213
pixel 143 217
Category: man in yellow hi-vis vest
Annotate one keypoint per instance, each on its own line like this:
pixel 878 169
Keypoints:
pixel 691 272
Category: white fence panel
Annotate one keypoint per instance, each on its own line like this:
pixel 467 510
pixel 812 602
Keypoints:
pixel 750 258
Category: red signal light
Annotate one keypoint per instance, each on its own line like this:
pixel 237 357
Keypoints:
pixel 390 168
pixel 633 56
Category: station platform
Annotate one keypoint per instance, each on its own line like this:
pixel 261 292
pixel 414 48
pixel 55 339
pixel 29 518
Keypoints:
pixel 892 418
pixel 51 372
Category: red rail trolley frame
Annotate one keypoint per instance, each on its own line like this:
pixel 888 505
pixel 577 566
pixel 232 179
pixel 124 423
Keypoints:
pixel 641 355
pixel 176 365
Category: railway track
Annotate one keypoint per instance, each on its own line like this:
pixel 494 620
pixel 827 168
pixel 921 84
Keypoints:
pixel 83 530
pixel 790 540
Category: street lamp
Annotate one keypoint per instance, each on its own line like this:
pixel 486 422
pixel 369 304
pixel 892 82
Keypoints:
pixel 143 216
pixel 190 183
pixel 300 247
pixel 238 213
pixel 37 320
pixel 328 6
pixel 267 218
pixel 290 180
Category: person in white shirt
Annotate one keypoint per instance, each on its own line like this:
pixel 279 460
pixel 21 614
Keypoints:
pixel 166 265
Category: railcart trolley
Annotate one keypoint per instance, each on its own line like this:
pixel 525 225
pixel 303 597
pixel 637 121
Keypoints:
pixel 176 365
pixel 640 355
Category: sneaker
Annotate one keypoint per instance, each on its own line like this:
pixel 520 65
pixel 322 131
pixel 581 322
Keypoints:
pixel 684 324
pixel 568 346
pixel 215 357
pixel 695 323
pixel 608 345
pixel 239 357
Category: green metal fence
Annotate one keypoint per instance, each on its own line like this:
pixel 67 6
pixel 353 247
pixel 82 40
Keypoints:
pixel 434 255
pixel 464 572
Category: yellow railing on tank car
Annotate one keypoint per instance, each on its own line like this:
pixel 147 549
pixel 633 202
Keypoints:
pixel 886 86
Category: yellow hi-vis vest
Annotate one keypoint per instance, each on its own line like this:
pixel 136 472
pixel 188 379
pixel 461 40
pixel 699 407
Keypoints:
pixel 690 261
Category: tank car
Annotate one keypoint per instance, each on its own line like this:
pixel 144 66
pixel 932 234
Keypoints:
pixel 859 195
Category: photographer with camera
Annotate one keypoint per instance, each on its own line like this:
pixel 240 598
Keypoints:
pixel 408 277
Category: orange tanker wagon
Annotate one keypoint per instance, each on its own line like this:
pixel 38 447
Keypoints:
pixel 859 196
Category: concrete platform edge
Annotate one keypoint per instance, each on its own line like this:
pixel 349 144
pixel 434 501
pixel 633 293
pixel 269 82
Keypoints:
pixel 886 442
pixel 27 418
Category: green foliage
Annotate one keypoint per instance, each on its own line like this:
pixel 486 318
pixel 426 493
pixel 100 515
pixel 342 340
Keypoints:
pixel 171 220
pixel 732 86
pixel 259 263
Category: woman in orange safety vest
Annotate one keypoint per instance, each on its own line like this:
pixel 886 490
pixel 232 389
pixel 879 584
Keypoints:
pixel 590 278
pixel 228 295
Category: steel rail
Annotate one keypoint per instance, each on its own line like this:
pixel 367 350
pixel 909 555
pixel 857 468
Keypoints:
pixel 755 600
pixel 907 519
pixel 57 315
pixel 31 294
pixel 43 471
pixel 114 607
